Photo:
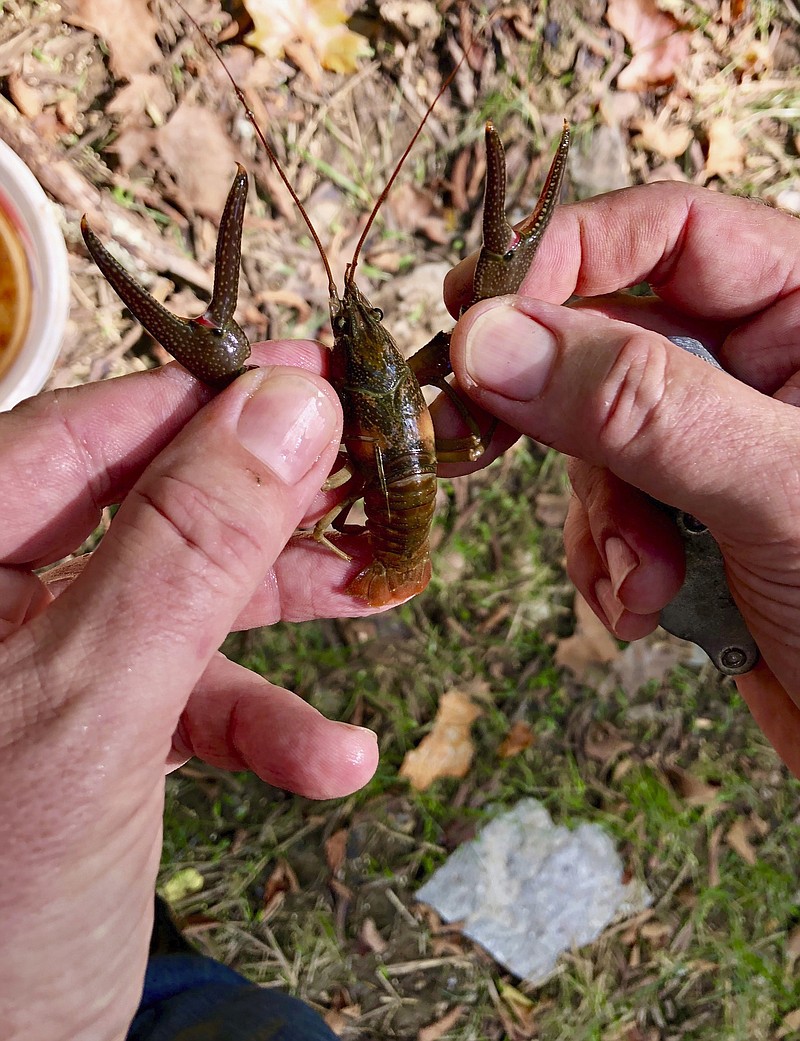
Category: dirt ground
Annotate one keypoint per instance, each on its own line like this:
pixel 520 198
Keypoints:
pixel 124 113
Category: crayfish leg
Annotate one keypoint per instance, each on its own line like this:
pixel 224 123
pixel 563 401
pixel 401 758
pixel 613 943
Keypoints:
pixel 337 479
pixel 337 513
pixel 431 366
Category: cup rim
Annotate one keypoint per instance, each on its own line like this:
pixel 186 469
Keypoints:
pixel 37 221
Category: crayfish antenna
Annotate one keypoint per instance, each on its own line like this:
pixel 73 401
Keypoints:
pixel 250 116
pixel 350 272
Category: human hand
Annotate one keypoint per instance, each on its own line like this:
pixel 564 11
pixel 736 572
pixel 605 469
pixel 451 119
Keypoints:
pixel 639 415
pixel 96 683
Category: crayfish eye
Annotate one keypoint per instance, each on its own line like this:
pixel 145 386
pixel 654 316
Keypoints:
pixel 509 255
pixel 377 314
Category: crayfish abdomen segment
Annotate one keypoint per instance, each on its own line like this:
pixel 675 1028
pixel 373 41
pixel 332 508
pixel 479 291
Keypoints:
pixel 398 523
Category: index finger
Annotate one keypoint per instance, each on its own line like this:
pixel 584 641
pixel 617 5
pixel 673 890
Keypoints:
pixel 711 256
pixel 69 453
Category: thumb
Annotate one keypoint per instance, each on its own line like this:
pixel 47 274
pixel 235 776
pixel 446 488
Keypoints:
pixel 627 399
pixel 129 639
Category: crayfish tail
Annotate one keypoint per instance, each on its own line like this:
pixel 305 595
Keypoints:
pixel 380 586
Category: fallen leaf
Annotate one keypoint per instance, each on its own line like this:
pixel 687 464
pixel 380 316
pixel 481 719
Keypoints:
pixel 604 743
pixel 657 933
pixel 665 139
pixel 304 28
pixel 793 946
pixel 726 152
pixel 591 643
pixel 133 145
pixel 26 97
pixel 146 94
pixel 644 661
pixel 519 737
pixel 371 938
pixel 196 147
pixel 415 210
pixel 447 751
pixel 182 884
pixel 693 790
pixel 441 1026
pixel 283 880
pixel 789 1024
pixel 658 45
pixel 738 838
pixel 335 848
pixel 127 27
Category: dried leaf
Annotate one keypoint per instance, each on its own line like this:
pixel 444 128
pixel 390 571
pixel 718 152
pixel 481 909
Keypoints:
pixel 447 751
pixel 793 946
pixel 196 146
pixel 305 28
pixel 519 737
pixel 127 27
pixel 726 152
pixel 283 880
pixel 646 660
pixel 132 146
pixel 415 210
pixel 335 848
pixel 371 938
pixel 441 1026
pixel 146 94
pixel 26 97
pixel 665 139
pixel 738 838
pixel 591 643
pixel 790 1023
pixel 605 743
pixel 656 41
pixel 693 790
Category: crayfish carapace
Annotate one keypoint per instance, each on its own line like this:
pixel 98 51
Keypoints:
pixel 388 432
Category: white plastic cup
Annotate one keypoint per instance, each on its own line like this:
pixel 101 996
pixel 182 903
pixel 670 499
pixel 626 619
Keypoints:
pixel 35 219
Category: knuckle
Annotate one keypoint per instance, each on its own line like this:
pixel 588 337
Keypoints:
pixel 210 542
pixel 631 394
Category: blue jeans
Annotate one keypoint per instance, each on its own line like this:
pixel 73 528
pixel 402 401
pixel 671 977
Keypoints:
pixel 188 997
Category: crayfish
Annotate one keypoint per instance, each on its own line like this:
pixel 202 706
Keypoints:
pixel 388 432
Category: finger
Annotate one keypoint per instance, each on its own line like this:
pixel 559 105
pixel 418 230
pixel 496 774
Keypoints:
pixel 307 581
pixel 637 542
pixel 630 401
pixel 589 574
pixel 774 711
pixel 650 312
pixel 22 597
pixel 69 453
pixel 714 257
pixel 663 421
pixel 187 550
pixel 238 721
